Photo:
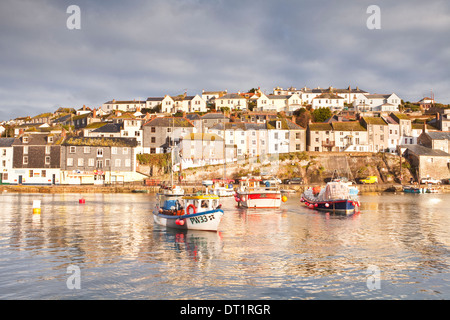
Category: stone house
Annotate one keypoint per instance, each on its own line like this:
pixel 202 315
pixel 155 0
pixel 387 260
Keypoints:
pixel 161 133
pixel 98 160
pixel 437 140
pixel 428 162
pixel 36 159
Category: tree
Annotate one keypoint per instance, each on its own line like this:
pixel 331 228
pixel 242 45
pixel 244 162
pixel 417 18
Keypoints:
pixel 302 117
pixel 321 114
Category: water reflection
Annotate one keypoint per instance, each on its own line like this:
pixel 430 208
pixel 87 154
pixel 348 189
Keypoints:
pixel 289 253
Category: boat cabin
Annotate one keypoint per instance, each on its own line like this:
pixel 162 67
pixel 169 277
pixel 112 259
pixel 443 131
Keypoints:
pixel 201 203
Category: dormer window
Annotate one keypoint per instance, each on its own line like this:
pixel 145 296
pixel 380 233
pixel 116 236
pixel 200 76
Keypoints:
pixel 25 139
pixel 50 139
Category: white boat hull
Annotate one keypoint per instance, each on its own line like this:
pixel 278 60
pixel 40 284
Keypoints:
pixel 208 220
pixel 259 200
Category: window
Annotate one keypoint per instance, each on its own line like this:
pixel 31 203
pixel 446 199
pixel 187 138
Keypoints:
pixel 25 160
pixel 125 150
pixel 316 149
pixel 87 149
pixel 44 173
pixel 72 149
pixel 107 162
pixel 80 162
pixel 3 152
pixel 69 162
pixel 47 160
pixel 297 135
pixel 99 164
pixel 25 150
pixel 25 139
pixel 31 174
pixel 152 150
pixel 3 163
pixel 47 149
pixel 99 152
pixel 152 140
pixel 114 150
pixel 297 147
pixel 91 162
pixel 127 163
pixel 118 163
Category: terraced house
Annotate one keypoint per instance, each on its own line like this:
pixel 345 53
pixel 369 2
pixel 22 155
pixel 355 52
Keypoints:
pixel 161 133
pixel 98 160
pixel 36 159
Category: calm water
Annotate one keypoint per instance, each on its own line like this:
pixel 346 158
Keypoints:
pixel 397 248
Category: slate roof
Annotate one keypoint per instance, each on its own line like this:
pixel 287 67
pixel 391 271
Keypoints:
pixel 169 122
pixel 424 151
pixel 109 128
pixel 6 142
pixel 439 135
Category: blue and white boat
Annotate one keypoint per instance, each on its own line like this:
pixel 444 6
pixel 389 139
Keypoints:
pixel 189 212
pixel 336 197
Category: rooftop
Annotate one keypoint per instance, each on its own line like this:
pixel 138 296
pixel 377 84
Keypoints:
pixel 100 142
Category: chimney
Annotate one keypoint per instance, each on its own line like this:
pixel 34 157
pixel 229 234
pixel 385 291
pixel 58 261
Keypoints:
pixel 94 113
pixel 63 134
pixel 438 115
pixel 84 107
pixel 424 130
pixel 113 100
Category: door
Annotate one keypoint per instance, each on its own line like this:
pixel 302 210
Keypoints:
pixel 20 179
pixel 53 178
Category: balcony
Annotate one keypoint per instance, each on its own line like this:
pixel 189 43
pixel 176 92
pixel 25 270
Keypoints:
pixel 328 144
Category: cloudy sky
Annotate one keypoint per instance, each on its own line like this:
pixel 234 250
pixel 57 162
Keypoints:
pixel 137 49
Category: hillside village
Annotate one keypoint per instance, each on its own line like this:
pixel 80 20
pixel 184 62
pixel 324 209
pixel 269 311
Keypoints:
pixel 108 144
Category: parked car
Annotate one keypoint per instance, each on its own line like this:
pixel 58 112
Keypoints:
pixel 369 180
pixel 430 180
pixel 272 180
pixel 296 180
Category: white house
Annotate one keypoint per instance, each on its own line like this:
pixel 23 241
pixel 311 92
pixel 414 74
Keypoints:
pixel 123 105
pixel 233 101
pixel 328 100
pixel 190 104
pixel 153 102
pixel 168 105
pixel 278 103
pixel 377 102
pixel 210 96
pixel 6 159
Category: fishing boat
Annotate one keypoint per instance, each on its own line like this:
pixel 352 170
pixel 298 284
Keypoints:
pixel 252 194
pixel 411 189
pixel 335 197
pixel 220 187
pixel 188 212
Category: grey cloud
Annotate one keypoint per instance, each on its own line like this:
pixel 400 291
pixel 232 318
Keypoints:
pixel 138 49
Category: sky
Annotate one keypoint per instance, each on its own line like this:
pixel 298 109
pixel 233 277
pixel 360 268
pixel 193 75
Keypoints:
pixel 134 49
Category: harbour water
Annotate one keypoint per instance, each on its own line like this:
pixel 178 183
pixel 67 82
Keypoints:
pixel 398 247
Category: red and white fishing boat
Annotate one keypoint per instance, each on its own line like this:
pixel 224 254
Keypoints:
pixel 253 194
